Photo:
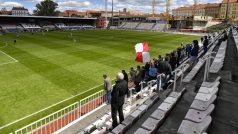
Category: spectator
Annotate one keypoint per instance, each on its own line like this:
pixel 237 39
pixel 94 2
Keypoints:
pixel 118 97
pixel 225 36
pixel 152 73
pixel 178 56
pixel 160 58
pixel 201 42
pixel 173 61
pixel 143 73
pixel 125 75
pixel 194 53
pixel 205 45
pixel 164 68
pixel 138 78
pixel 188 50
pixel 132 74
pixel 147 67
pixel 108 87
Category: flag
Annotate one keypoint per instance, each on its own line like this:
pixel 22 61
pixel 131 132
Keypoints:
pixel 142 52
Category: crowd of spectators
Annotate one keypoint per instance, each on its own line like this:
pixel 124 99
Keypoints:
pixel 161 66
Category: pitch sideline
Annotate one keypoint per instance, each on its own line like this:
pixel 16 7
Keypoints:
pixel 48 107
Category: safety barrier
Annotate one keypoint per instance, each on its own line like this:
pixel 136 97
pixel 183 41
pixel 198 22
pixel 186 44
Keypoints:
pixel 64 116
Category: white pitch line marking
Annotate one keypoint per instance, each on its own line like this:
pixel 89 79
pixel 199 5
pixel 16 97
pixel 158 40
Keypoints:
pixel 9 56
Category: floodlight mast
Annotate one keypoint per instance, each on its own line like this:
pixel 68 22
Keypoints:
pixel 153 8
pixel 106 13
pixel 112 12
pixel 167 13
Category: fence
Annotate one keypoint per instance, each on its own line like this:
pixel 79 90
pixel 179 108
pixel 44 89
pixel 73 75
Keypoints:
pixel 62 117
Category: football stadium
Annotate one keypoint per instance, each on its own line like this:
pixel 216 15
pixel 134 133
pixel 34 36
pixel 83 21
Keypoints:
pixel 118 70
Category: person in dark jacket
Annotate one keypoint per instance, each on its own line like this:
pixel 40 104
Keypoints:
pixel 179 51
pixel 173 61
pixel 138 78
pixel 164 68
pixel 205 45
pixel 194 52
pixel 125 75
pixel 120 89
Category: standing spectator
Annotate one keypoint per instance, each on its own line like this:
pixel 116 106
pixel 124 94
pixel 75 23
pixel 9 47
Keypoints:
pixel 160 58
pixel 118 97
pixel 178 56
pixel 194 53
pixel 201 42
pixel 125 75
pixel 147 67
pixel 188 50
pixel 173 61
pixel 138 78
pixel 205 45
pixel 108 87
pixel 143 73
pixel 152 73
pixel 132 74
pixel 164 68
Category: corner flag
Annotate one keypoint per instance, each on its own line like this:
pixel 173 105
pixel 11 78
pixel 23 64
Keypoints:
pixel 142 52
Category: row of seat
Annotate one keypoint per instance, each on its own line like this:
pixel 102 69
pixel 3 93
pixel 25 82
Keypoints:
pixel 198 118
pixel 136 114
pixel 151 125
pixel 105 122
pixel 235 35
pixel 198 66
pixel 219 59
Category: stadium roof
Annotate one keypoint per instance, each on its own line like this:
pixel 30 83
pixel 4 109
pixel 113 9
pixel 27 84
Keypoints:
pixel 45 17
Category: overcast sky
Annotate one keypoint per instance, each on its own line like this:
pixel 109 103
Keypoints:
pixel 82 5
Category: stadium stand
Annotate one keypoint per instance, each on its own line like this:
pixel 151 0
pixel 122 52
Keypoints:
pixel 129 25
pixel 30 26
pixel 61 26
pixel 159 27
pixel 11 27
pixel 9 23
pixel 182 108
pixel 145 26
pixel 47 25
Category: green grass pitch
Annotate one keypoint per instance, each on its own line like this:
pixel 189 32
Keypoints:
pixel 40 70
